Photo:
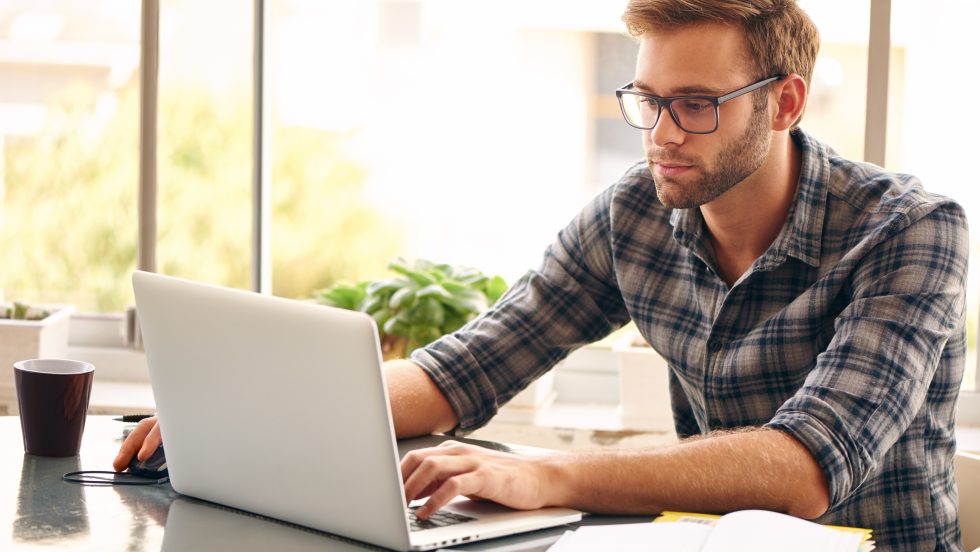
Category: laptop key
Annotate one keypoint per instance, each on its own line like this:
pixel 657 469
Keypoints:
pixel 441 518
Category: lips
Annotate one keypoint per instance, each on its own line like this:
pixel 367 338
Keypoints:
pixel 671 169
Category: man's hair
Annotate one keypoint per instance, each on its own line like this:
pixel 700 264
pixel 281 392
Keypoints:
pixel 782 38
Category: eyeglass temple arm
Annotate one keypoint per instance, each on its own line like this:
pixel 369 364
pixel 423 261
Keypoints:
pixel 747 89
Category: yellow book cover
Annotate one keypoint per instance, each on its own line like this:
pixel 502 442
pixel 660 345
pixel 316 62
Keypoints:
pixel 709 519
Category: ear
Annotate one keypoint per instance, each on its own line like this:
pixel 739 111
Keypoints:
pixel 790 99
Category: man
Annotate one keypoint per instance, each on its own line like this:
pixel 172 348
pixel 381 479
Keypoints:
pixel 811 308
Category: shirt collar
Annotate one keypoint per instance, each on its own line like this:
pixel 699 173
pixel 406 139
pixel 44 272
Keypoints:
pixel 801 235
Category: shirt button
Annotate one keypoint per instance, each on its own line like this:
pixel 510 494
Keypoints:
pixel 714 344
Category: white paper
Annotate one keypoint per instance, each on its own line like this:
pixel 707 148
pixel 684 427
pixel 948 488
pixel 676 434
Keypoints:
pixel 635 537
pixel 761 531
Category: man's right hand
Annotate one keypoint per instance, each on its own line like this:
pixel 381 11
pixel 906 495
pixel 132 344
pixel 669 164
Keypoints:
pixel 142 441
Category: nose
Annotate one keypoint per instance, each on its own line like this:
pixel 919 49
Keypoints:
pixel 666 130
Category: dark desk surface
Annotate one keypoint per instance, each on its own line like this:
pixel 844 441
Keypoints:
pixel 39 510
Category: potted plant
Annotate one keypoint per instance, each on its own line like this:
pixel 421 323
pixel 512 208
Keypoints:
pixel 422 303
pixel 38 331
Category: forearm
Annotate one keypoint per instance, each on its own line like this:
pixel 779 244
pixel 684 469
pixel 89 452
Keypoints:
pixel 764 469
pixel 417 405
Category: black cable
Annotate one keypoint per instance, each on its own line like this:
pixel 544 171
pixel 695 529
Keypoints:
pixel 91 477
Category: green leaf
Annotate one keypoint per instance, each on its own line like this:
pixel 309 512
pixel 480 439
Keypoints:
pixel 418 277
pixel 495 288
pixel 422 336
pixel 20 310
pixel 381 317
pixel 475 280
pixel 454 322
pixel 403 299
pixel 428 312
pixel 371 305
pixel 398 325
pixel 466 302
pixel 345 296
pixel 454 287
pixel 385 287
pixel 435 290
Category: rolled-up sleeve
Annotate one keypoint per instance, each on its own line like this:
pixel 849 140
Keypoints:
pixel 570 301
pixel 906 300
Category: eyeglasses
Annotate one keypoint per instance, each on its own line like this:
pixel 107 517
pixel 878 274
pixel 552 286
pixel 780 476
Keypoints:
pixel 693 114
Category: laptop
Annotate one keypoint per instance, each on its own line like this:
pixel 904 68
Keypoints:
pixel 280 408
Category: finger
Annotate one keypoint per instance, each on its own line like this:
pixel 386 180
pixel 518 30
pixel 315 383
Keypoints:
pixel 150 444
pixel 433 470
pixel 132 443
pixel 410 462
pixel 462 484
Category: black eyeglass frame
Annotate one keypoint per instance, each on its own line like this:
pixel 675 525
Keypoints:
pixel 666 101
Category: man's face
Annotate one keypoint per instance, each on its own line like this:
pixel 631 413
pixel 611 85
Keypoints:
pixel 707 59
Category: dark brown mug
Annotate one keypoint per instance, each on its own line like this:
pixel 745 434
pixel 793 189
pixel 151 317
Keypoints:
pixel 53 397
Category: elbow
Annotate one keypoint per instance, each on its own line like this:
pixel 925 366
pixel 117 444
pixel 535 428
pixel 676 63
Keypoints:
pixel 814 498
pixel 809 497
pixel 810 507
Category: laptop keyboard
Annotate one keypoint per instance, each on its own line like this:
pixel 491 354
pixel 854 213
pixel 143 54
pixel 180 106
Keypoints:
pixel 441 518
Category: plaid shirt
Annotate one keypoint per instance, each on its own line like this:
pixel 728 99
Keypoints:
pixel 847 333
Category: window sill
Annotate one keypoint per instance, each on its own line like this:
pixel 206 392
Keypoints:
pixel 121 397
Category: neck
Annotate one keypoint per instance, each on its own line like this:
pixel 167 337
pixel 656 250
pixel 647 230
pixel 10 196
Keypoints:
pixel 744 221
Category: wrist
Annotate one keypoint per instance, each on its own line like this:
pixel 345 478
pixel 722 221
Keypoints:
pixel 556 479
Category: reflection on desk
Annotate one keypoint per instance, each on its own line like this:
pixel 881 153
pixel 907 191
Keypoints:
pixel 48 512
pixel 44 511
pixel 197 525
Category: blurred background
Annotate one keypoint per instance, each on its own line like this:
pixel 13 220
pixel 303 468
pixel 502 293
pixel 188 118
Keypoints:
pixel 441 129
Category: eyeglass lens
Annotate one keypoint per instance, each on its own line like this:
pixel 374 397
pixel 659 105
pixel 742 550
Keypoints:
pixel 692 114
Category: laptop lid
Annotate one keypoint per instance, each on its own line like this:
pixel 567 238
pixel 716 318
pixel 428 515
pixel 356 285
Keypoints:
pixel 274 406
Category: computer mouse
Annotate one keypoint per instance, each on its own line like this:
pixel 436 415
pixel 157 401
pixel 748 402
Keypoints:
pixel 154 467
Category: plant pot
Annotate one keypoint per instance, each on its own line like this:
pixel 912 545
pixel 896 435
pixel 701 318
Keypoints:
pixel 644 395
pixel 27 339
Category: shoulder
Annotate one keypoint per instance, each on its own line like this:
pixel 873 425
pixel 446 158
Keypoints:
pixel 876 194
pixel 863 197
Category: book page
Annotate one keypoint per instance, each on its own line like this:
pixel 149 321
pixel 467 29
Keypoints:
pixel 762 531
pixel 634 537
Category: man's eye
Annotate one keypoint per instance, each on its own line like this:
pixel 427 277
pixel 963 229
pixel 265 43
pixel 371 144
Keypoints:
pixel 695 107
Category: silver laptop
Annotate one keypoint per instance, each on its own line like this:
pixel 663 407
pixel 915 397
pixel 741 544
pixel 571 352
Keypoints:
pixel 280 408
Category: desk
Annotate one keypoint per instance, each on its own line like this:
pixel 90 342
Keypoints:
pixel 38 509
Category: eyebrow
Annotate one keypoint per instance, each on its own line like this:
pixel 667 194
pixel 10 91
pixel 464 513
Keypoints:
pixel 698 90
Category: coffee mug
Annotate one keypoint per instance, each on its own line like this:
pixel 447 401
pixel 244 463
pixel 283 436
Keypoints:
pixel 53 397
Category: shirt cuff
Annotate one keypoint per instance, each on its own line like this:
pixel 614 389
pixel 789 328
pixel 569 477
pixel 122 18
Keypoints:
pixel 458 376
pixel 836 454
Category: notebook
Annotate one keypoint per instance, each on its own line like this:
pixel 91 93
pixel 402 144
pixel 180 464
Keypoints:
pixel 280 408
pixel 741 531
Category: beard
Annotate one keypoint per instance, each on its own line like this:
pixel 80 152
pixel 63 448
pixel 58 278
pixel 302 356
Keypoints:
pixel 739 159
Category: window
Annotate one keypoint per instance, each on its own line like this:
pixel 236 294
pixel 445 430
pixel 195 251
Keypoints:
pixel 68 136
pixel 204 141
pixel 441 130
pixel 835 111
pixel 932 41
